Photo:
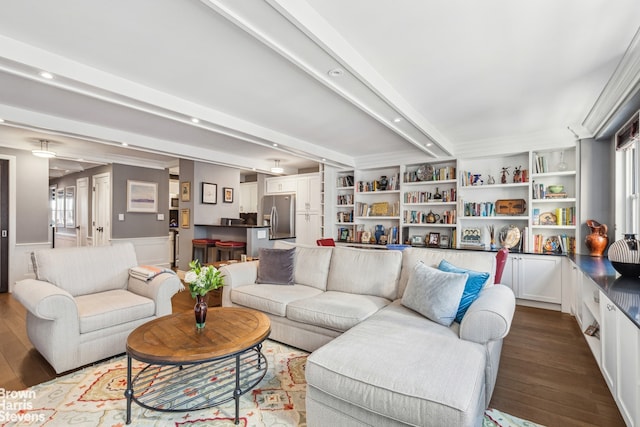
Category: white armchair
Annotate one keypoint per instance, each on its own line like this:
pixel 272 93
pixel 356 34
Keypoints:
pixel 83 303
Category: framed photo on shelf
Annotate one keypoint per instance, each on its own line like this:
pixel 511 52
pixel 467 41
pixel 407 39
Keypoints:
pixel 209 193
pixel 434 240
pixel 228 194
pixel 185 191
pixel 444 241
pixel 142 196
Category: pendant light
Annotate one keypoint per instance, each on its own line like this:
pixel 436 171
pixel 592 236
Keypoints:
pixel 44 150
pixel 277 168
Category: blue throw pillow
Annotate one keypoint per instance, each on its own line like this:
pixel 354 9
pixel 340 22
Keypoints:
pixel 472 288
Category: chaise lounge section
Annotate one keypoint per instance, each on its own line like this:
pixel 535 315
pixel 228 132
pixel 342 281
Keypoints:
pixel 374 360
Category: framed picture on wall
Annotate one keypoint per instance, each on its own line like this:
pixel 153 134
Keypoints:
pixel 185 191
pixel 184 218
pixel 228 194
pixel 142 196
pixel 209 193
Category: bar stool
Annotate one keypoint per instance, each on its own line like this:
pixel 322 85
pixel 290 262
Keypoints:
pixel 230 248
pixel 204 245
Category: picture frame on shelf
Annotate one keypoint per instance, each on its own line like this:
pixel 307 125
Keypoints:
pixel 209 193
pixel 417 240
pixel 142 196
pixel 444 241
pixel 434 240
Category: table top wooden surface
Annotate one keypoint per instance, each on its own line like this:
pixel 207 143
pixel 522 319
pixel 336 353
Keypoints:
pixel 175 339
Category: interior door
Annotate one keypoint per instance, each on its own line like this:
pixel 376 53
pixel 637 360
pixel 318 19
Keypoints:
pixel 4 225
pixel 101 209
pixel 82 211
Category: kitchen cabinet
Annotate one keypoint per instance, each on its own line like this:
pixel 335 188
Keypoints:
pixel 308 197
pixel 281 184
pixel 248 197
pixel 534 277
pixel 619 365
pixel 308 228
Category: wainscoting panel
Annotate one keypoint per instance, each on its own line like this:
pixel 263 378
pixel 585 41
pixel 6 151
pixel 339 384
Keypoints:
pixel 20 266
pixel 151 250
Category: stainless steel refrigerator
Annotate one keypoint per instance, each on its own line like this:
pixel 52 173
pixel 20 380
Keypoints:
pixel 279 213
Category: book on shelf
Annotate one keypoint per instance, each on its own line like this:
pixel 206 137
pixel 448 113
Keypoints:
pixel 553 244
pixel 345 181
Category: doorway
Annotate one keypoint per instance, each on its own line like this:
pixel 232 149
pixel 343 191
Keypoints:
pixel 4 225
pixel 101 210
pixel 82 211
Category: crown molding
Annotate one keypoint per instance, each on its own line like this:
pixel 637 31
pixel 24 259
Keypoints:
pixel 623 84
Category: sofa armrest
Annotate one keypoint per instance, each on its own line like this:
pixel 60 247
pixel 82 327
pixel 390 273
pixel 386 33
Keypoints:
pixel 235 275
pixel 160 289
pixel 45 300
pixel 489 317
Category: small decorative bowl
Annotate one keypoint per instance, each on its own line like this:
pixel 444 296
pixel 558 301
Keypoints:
pixel 555 188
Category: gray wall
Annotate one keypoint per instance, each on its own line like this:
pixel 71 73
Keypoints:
pixel 32 198
pixel 597 183
pixel 138 224
pixel 223 177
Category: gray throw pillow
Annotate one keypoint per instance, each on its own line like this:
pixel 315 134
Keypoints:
pixel 275 266
pixel 433 293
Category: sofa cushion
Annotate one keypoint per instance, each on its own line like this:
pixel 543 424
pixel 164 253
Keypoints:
pixel 475 260
pixel 435 378
pixel 275 266
pixel 272 299
pixel 365 272
pixel 472 288
pixel 335 310
pixel 311 265
pixel 110 308
pixel 433 293
pixel 86 270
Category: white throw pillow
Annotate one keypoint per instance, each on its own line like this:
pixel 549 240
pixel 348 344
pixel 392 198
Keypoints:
pixel 433 293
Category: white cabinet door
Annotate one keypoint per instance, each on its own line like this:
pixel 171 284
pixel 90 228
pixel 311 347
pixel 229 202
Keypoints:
pixel 608 339
pixel 249 197
pixel 534 277
pixel 307 228
pixel 308 194
pixel 627 379
pixel 540 278
pixel 280 185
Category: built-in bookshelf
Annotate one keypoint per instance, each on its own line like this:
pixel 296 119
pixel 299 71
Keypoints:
pixel 454 198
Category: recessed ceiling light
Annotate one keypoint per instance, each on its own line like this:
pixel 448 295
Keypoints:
pixel 324 160
pixel 397 120
pixel 124 144
pixel 46 75
pixel 1 120
pixel 195 120
pixel 336 72
pixel 429 144
pixel 275 145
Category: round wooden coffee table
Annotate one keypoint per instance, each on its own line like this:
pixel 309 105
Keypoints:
pixel 190 369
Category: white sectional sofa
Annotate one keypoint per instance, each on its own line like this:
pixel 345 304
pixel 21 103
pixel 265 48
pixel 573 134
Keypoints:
pixel 374 361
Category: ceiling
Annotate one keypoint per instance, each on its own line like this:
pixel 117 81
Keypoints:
pixel 353 84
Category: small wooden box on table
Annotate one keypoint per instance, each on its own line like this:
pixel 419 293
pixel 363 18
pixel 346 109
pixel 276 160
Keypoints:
pixel 180 357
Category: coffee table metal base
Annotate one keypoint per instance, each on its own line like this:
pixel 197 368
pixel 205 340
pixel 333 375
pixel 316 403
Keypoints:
pixel 175 387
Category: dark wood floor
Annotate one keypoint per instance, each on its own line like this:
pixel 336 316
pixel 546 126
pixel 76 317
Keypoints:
pixel 547 373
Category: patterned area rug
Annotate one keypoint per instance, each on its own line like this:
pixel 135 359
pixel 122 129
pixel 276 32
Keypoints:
pixel 94 396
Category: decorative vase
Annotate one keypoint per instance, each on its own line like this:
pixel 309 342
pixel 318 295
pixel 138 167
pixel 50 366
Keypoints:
pixel 625 256
pixel 379 232
pixel 200 310
pixel 597 241
pixel 383 183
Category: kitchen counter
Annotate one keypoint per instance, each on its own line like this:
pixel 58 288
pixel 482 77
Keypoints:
pixel 254 236
pixel 624 292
